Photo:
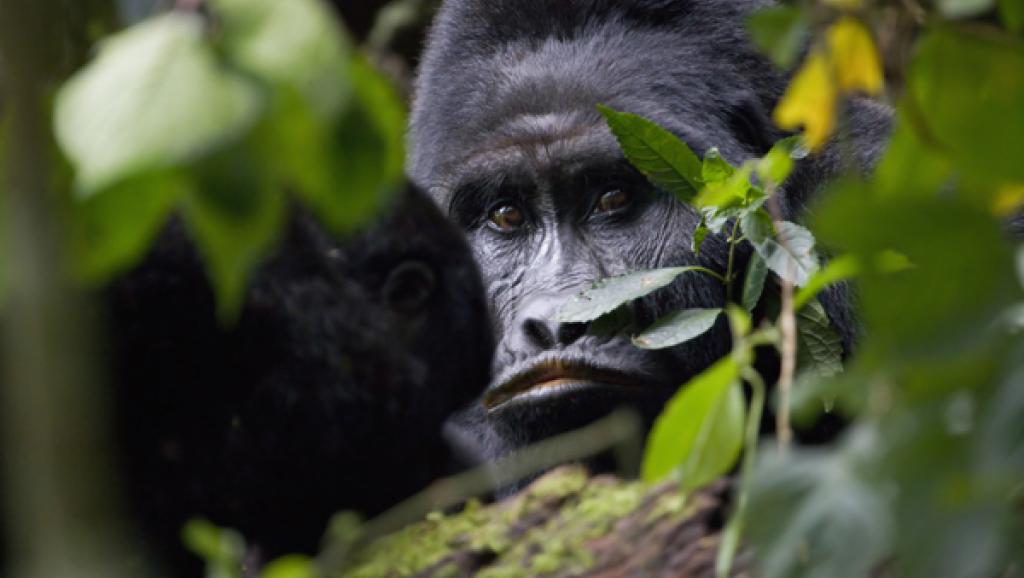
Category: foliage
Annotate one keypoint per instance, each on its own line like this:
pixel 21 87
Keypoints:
pixel 221 124
pixel 926 480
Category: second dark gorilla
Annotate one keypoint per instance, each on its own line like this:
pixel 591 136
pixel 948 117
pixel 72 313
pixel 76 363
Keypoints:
pixel 507 138
pixel 328 394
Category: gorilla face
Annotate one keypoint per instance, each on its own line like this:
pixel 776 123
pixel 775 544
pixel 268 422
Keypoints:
pixel 546 218
pixel 507 138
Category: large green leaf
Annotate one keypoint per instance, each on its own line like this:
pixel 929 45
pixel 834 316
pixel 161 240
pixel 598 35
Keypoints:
pixel 962 276
pixel 298 44
pixel 608 294
pixel 345 171
pixel 154 98
pixel 112 231
pixel 657 153
pixel 781 32
pixel 700 432
pixel 676 328
pixel 968 86
pixel 790 254
pixel 369 149
pixel 235 217
pixel 820 348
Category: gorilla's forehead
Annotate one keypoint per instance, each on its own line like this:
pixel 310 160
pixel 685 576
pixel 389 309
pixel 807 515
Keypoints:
pixel 543 150
pixel 524 94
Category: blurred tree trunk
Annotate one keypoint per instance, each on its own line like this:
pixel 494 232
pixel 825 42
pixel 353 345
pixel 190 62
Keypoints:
pixel 58 520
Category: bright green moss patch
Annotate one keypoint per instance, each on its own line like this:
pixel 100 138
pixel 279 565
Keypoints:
pixel 557 525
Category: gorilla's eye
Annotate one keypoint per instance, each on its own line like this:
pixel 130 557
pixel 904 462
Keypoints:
pixel 613 200
pixel 507 217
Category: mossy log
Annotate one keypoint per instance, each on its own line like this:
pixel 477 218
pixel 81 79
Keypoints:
pixel 564 524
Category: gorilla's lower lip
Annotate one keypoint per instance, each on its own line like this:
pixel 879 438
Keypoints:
pixel 558 377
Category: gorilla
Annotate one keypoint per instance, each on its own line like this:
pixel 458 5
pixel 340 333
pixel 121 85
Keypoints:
pixel 329 393
pixel 507 138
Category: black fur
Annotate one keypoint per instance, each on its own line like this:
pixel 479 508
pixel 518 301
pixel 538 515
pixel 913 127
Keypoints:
pixel 506 115
pixel 329 394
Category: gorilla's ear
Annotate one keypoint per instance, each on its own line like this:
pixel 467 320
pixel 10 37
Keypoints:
pixel 752 128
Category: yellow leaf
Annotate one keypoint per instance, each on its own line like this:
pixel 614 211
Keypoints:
pixel 854 58
pixel 1009 200
pixel 810 102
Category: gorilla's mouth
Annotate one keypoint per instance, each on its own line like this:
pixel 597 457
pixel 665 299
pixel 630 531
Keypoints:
pixel 558 376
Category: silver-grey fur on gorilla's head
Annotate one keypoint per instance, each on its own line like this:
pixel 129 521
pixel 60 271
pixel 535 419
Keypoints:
pixel 505 119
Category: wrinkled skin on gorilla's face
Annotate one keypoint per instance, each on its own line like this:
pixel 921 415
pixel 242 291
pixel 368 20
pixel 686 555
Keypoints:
pixel 507 138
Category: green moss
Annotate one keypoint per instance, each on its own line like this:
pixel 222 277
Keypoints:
pixel 587 509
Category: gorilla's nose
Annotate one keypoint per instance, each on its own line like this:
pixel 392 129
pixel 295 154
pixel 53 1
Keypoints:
pixel 409 286
pixel 536 329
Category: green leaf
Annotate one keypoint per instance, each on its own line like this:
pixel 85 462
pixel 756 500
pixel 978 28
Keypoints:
pixel 727 194
pixel 298 44
pixel 968 86
pixel 235 218
pixel 369 150
pixel 757 226
pixel 154 98
pixel 676 328
pixel 964 8
pixel 1012 12
pixel 222 549
pixel 776 166
pixel 820 348
pixel 664 159
pixel 926 310
pixel 815 514
pixel 715 169
pixel 791 253
pixel 753 281
pixel 292 566
pixel 608 294
pixel 700 234
pixel 347 171
pixel 700 432
pixel 780 32
pixel 836 270
pixel 113 229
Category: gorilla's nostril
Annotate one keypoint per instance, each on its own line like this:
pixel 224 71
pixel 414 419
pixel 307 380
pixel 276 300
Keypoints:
pixel 409 286
pixel 539 332
pixel 571 332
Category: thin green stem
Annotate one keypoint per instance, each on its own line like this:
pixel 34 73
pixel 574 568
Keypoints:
pixel 713 273
pixel 734 530
pixel 733 241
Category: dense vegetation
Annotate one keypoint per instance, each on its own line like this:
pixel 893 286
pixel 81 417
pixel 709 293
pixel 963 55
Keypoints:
pixel 224 116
